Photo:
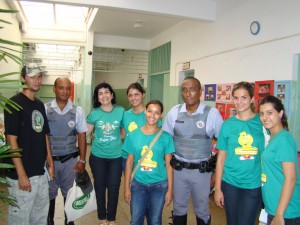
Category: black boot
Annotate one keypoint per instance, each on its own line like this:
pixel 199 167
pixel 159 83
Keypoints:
pixel 201 222
pixel 66 219
pixel 50 218
pixel 179 220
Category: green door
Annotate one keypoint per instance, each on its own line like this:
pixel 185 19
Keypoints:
pixel 157 87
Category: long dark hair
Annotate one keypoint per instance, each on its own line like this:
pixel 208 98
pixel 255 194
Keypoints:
pixel 278 106
pixel 248 87
pixel 96 103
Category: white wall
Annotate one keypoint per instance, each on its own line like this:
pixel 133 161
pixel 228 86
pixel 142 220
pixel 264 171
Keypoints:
pixel 120 42
pixel 10 32
pixel 117 80
pixel 225 51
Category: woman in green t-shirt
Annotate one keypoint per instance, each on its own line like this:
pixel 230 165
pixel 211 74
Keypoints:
pixel 152 184
pixel 280 172
pixel 240 143
pixel 135 117
pixel 106 155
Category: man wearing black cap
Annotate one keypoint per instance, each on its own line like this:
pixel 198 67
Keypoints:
pixel 28 129
pixel 67 125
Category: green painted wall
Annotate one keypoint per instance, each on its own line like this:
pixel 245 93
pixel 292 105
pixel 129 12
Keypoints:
pixel 122 98
pixel 46 94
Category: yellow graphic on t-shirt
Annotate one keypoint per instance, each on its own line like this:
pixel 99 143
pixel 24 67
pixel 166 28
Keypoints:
pixel 147 163
pixel 246 150
pixel 263 178
pixel 132 126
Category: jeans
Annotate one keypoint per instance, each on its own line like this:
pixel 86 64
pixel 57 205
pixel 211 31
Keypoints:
pixel 147 199
pixel 294 221
pixel 33 206
pixel 107 175
pixel 123 164
pixel 241 205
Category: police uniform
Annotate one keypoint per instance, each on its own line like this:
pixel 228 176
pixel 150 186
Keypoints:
pixel 192 135
pixel 64 126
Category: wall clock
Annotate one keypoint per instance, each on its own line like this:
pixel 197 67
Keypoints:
pixel 254 27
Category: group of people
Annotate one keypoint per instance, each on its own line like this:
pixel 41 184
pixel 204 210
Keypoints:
pixel 162 162
pixel 54 132
pixel 257 163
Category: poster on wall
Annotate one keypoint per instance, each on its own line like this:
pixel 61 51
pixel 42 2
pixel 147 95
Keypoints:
pixel 221 107
pixel 224 93
pixel 230 111
pixel 226 110
pixel 282 90
pixel 202 93
pixel 262 89
pixel 210 92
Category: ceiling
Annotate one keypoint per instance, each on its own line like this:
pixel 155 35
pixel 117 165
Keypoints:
pixel 117 18
pixel 112 18
pixel 121 23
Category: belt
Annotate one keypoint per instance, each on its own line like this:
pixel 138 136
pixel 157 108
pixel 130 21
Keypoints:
pixel 193 166
pixel 203 166
pixel 64 158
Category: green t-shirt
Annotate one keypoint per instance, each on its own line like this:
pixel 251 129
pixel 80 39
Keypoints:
pixel 132 121
pixel 243 142
pixel 281 148
pixel 153 168
pixel 107 139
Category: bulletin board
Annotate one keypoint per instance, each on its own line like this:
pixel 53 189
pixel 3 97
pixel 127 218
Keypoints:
pixel 224 92
pixel 282 90
pixel 226 110
pixel 262 89
pixel 210 92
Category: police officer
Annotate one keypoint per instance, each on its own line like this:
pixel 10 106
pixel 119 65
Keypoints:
pixel 193 125
pixel 67 125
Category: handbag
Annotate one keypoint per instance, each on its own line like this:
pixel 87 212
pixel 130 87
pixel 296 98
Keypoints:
pixel 79 204
pixel 145 154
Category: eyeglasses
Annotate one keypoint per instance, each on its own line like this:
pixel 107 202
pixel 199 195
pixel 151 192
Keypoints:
pixel 190 90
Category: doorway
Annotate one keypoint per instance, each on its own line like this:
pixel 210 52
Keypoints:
pixel 182 76
pixel 157 87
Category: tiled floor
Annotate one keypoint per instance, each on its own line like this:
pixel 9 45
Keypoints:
pixel 123 212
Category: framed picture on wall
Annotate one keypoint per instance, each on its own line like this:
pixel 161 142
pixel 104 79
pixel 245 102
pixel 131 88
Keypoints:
pixel 210 92
pixel 202 93
pixel 282 90
pixel 226 110
pixel 224 92
pixel 262 89
pixel 222 109
pixel 230 111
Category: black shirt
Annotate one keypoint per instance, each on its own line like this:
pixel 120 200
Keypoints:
pixel 30 126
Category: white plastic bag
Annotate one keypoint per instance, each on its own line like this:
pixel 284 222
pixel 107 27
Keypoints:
pixel 263 217
pixel 79 204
